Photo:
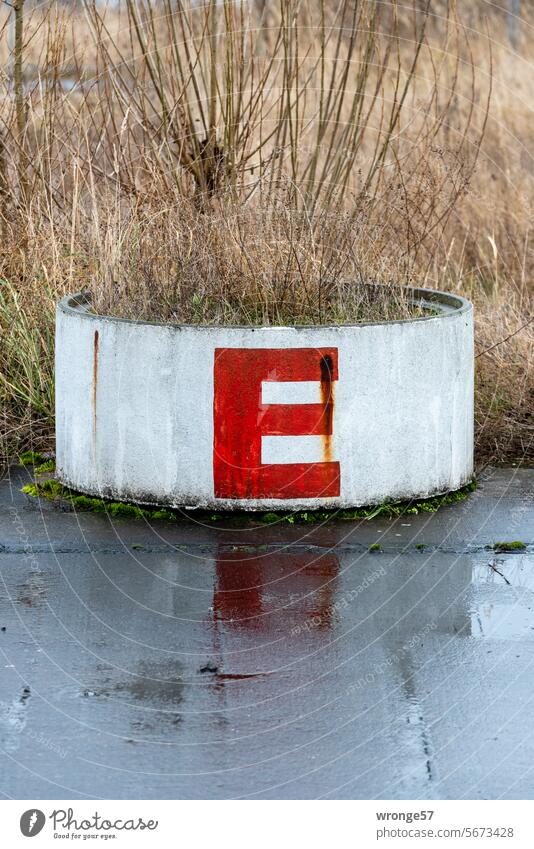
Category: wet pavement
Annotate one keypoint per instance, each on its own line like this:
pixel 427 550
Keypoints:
pixel 280 661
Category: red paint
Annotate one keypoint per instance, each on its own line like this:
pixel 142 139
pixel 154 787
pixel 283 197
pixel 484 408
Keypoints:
pixel 237 596
pixel 297 588
pixel 240 421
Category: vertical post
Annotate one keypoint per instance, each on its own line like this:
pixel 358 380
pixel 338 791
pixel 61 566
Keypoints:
pixel 18 82
pixel 18 7
pixel 513 22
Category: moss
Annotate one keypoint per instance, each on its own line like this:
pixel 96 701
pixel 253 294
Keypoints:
pixel 375 548
pixel 515 545
pixel 163 515
pixel 420 546
pixel 31 458
pixel 47 466
pixel 54 491
pixel 130 511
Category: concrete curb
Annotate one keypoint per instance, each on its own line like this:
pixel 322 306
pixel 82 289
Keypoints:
pixel 267 417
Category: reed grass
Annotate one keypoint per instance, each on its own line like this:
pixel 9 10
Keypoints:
pixel 260 163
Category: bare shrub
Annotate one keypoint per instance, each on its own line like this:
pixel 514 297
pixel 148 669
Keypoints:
pixel 259 163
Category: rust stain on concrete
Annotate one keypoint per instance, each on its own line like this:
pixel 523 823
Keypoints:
pixel 327 400
pixel 95 377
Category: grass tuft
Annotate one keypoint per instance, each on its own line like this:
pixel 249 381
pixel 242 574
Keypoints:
pixel 515 545
pixel 31 458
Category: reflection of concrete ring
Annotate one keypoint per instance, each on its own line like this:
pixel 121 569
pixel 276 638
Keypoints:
pixel 269 417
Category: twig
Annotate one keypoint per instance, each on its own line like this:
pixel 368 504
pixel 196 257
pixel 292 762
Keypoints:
pixel 494 569
pixel 510 336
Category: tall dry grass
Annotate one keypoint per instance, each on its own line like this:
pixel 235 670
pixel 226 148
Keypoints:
pixel 258 162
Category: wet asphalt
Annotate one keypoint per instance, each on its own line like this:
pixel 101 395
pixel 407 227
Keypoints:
pixel 280 661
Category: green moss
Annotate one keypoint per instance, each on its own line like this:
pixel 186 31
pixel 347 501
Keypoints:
pixel 420 546
pixel 163 515
pixel 375 547
pixel 47 466
pixel 515 545
pixel 130 511
pixel 31 458
pixel 53 490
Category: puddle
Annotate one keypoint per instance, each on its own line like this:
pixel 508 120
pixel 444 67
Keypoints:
pixel 32 592
pixel 13 718
pixel 257 592
pixel 513 621
pixel 154 691
pixel 516 570
pixel 502 602
pixel 150 683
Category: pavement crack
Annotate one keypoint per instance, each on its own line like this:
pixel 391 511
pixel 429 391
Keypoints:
pixel 493 567
pixel 250 550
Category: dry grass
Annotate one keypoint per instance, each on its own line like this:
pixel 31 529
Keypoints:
pixel 242 165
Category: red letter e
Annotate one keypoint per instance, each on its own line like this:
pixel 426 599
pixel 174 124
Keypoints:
pixel 241 419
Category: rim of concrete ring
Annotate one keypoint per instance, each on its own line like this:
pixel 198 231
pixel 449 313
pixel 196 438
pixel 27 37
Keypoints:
pixel 448 304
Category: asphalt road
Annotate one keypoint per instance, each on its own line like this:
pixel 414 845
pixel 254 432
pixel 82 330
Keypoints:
pixel 190 661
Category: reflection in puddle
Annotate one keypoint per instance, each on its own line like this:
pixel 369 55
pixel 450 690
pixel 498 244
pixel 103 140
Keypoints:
pixel 13 718
pixel 156 688
pixel 262 591
pixel 513 621
pixel 503 604
pixel 264 598
pixel 154 683
pixel 338 632
pixel 32 593
pixel 415 738
pixel 517 571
